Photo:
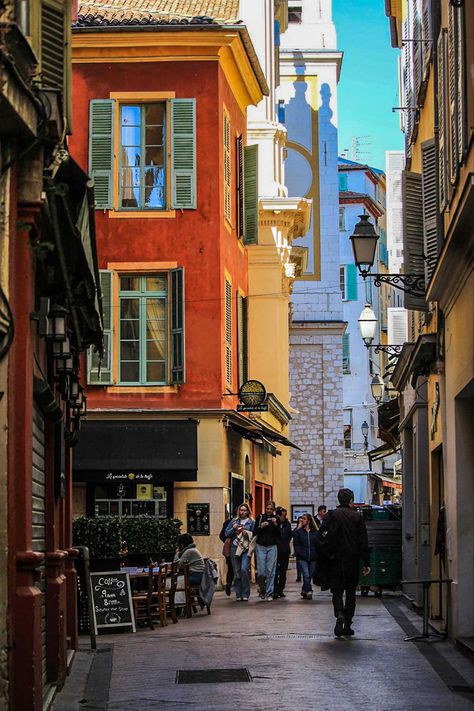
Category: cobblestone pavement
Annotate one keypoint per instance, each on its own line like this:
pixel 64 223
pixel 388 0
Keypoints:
pixel 294 660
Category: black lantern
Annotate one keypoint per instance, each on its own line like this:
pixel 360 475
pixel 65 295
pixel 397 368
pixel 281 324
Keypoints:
pixel 74 389
pixel 377 387
pixel 62 349
pixel 364 428
pixel 65 365
pixel 57 323
pixel 364 243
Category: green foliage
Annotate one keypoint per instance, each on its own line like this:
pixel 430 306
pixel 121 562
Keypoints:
pixel 108 536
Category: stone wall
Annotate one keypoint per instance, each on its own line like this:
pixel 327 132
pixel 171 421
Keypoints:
pixel 316 473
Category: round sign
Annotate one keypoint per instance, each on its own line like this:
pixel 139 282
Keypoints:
pixel 252 392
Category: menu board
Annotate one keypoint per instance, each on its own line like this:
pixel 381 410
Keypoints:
pixel 111 600
pixel 198 519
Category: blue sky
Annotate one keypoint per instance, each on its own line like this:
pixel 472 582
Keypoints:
pixel 369 81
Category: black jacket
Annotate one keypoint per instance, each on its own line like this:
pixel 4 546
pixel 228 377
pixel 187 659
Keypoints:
pixel 286 534
pixel 345 544
pixel 268 535
pixel 305 544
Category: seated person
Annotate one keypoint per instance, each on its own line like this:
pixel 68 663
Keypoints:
pixel 186 552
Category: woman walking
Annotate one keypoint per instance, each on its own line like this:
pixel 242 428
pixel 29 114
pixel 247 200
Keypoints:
pixel 267 531
pixel 304 543
pixel 239 530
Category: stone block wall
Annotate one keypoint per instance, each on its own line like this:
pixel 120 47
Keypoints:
pixel 316 473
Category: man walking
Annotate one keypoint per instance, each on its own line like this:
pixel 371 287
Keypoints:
pixel 283 547
pixel 322 511
pixel 345 543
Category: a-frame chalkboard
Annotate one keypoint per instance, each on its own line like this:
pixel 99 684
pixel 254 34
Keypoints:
pixel 111 600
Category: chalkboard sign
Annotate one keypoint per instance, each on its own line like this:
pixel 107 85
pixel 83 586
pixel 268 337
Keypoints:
pixel 111 600
pixel 198 519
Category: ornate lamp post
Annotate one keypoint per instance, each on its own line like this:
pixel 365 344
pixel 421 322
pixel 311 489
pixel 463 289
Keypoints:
pixel 368 326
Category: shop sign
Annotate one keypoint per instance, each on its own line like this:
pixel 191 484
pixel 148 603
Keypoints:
pixel 252 408
pixel 122 476
pixel 111 600
pixel 252 396
pixel 198 519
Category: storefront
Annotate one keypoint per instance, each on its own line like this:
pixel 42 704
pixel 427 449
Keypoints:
pixel 128 467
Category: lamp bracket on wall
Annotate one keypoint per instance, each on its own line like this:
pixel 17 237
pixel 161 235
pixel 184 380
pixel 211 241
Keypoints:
pixel 385 348
pixel 413 284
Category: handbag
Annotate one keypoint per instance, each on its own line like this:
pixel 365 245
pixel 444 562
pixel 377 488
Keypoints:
pixel 226 547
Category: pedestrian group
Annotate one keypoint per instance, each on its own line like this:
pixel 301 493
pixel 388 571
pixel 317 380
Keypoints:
pixel 329 550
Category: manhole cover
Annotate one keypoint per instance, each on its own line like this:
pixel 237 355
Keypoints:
pixel 211 676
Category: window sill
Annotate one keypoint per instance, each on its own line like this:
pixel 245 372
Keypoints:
pixel 133 214
pixel 145 389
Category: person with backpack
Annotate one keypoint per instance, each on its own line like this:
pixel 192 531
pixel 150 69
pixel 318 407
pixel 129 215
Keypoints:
pixel 240 531
pixel 343 543
pixel 305 541
pixel 267 532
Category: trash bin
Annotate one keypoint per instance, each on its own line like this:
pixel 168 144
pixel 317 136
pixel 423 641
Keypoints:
pixel 384 532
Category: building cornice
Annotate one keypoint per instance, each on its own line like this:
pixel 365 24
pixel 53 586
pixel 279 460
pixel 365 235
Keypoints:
pixel 230 47
pixel 292 214
pixel 311 56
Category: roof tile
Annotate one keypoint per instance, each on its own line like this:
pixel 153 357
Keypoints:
pixel 126 12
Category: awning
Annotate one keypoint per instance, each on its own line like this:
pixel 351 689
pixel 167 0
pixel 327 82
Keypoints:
pixel 258 432
pixel 388 481
pixel 385 450
pixel 388 422
pixel 166 450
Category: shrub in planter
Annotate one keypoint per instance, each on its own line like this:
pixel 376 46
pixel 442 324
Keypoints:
pixel 109 536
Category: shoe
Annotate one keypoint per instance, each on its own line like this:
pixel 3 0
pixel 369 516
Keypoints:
pixel 268 597
pixel 227 590
pixel 347 631
pixel 309 596
pixel 339 626
pixel 303 594
pixel 239 599
pixel 245 599
pixel 282 595
pixel 298 580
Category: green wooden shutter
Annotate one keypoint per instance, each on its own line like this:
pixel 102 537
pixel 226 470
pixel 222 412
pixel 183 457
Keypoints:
pixel 346 360
pixel 228 333
pixel 351 282
pixel 251 194
pixel 100 372
pixel 239 152
pixel 101 122
pixel 183 153
pixel 430 206
pixel 178 362
pixel 342 182
pixel 442 121
pixel 413 259
pixel 242 338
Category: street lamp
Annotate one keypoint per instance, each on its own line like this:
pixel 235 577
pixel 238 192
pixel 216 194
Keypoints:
pixel 368 326
pixel 364 244
pixel 364 428
pixel 377 387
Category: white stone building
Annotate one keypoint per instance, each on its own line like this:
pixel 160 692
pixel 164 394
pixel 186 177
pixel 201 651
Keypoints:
pixel 309 71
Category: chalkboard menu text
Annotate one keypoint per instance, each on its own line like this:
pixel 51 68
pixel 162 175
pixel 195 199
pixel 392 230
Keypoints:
pixel 112 600
pixel 198 519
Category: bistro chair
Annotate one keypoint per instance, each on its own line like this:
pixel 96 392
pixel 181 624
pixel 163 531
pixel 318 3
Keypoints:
pixel 141 602
pixel 157 596
pixel 170 592
pixel 193 596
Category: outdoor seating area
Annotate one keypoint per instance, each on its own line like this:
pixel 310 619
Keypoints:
pixel 162 593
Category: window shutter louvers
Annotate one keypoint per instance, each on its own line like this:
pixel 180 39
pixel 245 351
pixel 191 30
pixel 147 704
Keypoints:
pixel 228 333
pixel 239 145
pixel 430 207
pixel 183 153
pixel 417 54
pixel 408 86
pixel 461 82
pixel 346 359
pixel 177 333
pixel 351 282
pixel 227 175
pixel 101 150
pixel 242 336
pixel 251 194
pixel 413 234
pixel 100 372
pixel 452 96
pixel 53 44
pixel 442 122
pixel 427 35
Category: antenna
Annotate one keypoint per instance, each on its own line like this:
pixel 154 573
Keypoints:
pixel 358 143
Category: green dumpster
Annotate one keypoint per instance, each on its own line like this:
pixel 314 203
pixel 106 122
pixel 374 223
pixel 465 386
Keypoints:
pixel 385 543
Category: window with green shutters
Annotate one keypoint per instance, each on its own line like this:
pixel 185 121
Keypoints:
pixel 228 333
pixel 100 370
pixel 346 356
pixel 251 194
pixel 141 166
pixel 351 282
pixel 342 182
pixel 151 330
pixel 242 338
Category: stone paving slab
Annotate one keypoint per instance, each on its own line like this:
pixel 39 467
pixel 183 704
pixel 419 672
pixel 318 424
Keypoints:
pixel 290 650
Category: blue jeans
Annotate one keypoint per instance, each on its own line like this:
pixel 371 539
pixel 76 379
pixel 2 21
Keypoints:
pixel 266 567
pixel 195 579
pixel 307 571
pixel 241 566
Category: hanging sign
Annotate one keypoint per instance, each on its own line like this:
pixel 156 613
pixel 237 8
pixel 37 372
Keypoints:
pixel 252 396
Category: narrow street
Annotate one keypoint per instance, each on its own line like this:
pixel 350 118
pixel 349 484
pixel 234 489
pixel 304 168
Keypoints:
pixel 289 649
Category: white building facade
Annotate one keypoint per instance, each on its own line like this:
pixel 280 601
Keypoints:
pixel 307 98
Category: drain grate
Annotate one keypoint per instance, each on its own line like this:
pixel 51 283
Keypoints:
pixel 292 635
pixel 211 676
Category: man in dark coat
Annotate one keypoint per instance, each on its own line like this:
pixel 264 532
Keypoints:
pixel 345 545
pixel 283 546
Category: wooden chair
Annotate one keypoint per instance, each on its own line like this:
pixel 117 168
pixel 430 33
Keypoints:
pixel 170 593
pixel 141 602
pixel 157 596
pixel 193 597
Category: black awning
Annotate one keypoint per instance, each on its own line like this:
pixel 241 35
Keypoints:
pixel 122 447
